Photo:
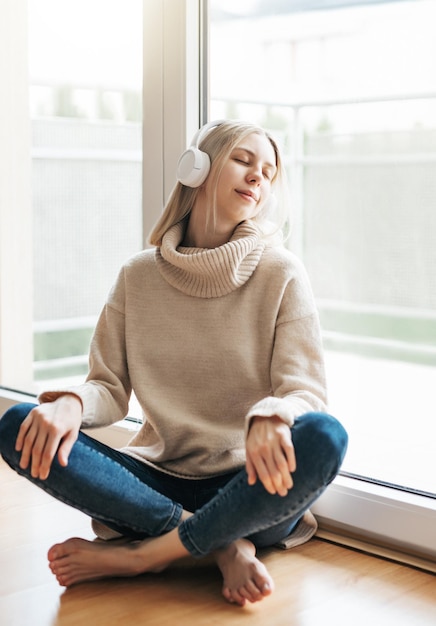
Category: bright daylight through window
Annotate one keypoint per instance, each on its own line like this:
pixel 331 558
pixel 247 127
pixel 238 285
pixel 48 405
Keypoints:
pixel 85 62
pixel 349 89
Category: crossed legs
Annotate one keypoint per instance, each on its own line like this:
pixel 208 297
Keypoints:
pixel 160 531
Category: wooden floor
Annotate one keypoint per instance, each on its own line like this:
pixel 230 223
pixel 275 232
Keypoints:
pixel 316 584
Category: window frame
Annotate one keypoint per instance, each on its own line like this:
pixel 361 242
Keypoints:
pixel 174 107
pixel 172 97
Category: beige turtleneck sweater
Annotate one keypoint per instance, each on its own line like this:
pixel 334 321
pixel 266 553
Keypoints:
pixel 207 339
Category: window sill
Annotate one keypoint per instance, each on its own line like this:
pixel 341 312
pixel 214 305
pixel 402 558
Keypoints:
pixel 379 519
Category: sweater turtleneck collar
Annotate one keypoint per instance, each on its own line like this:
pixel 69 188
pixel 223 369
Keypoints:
pixel 214 272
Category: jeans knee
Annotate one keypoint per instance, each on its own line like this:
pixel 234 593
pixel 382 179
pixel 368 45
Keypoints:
pixel 10 424
pixel 320 440
pixel 329 431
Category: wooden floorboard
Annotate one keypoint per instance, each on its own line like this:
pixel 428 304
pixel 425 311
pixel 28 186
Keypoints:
pixel 316 584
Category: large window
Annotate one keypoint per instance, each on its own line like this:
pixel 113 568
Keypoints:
pixel 351 94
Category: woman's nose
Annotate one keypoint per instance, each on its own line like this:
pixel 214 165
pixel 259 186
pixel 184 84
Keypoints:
pixel 255 174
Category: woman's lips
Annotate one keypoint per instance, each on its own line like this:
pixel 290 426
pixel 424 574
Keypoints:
pixel 246 193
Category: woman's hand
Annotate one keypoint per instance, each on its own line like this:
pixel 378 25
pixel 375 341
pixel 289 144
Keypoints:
pixel 270 454
pixel 50 428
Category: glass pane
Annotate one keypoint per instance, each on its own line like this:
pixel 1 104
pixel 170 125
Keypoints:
pixel 85 62
pixel 357 122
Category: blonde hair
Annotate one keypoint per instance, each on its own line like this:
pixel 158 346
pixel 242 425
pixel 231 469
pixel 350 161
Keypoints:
pixel 219 143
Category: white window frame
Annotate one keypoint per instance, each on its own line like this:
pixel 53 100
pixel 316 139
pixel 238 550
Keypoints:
pixel 174 107
pixel 171 95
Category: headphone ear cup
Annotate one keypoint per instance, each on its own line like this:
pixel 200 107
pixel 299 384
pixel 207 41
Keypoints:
pixel 193 167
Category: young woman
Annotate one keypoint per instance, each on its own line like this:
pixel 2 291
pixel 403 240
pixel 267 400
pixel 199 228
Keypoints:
pixel 216 331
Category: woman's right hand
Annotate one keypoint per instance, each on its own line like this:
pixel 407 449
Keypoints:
pixel 50 428
pixel 270 454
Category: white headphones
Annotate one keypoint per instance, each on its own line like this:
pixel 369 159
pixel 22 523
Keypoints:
pixel 194 164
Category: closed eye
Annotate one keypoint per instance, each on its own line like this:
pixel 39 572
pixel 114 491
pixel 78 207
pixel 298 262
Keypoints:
pixel 245 157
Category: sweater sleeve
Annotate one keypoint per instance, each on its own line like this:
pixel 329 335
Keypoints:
pixel 106 392
pixel 298 383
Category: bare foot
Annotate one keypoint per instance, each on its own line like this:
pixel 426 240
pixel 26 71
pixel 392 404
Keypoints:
pixel 79 560
pixel 245 577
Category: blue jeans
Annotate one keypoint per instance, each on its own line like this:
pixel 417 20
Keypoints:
pixel 140 501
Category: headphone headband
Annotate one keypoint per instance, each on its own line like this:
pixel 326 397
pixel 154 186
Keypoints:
pixel 194 164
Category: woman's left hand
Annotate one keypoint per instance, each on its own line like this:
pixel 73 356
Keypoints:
pixel 270 454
